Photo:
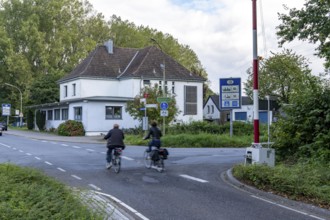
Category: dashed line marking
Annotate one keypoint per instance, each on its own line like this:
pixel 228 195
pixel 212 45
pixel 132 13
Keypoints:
pixel 193 178
pixel 60 169
pixel 285 207
pixel 103 152
pixel 21 151
pixel 77 147
pixel 44 141
pixel 65 145
pixel 76 177
pixel 53 142
pixel 28 154
pixel 14 148
pixel 127 158
pixel 6 145
pixel 91 150
pixel 95 187
pixel 49 163
pixel 38 158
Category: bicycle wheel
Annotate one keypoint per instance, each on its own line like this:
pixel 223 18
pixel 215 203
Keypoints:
pixel 160 165
pixel 116 164
pixel 147 159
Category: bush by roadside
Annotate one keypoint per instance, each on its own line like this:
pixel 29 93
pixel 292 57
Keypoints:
pixel 71 128
pixel 28 194
pixel 309 183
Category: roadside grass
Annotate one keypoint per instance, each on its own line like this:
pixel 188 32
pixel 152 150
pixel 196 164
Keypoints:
pixel 309 183
pixel 26 193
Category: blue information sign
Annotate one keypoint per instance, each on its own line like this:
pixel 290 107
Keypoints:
pixel 230 93
pixel 163 106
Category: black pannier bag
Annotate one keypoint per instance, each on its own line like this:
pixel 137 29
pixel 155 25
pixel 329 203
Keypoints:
pixel 154 155
pixel 163 152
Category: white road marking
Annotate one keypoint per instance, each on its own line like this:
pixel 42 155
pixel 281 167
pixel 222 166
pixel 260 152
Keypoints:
pixel 76 177
pixel 193 178
pixel 285 207
pixel 21 151
pixel 65 145
pixel 94 187
pixel 60 169
pixel 103 152
pixel 14 148
pixel 5 145
pixel 53 142
pixel 49 163
pixel 123 204
pixel 28 154
pixel 38 158
pixel 76 147
pixel 44 141
pixel 91 150
pixel 127 158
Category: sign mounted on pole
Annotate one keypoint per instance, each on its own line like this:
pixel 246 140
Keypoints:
pixel 230 93
pixel 6 109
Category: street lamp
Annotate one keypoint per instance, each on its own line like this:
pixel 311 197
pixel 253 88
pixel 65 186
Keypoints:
pixel 21 113
pixel 163 67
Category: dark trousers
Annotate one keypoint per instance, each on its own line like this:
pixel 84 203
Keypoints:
pixel 154 143
pixel 110 150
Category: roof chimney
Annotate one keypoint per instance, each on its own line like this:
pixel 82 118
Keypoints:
pixel 109 46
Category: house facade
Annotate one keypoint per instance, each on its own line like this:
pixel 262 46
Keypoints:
pixel 96 92
pixel 212 111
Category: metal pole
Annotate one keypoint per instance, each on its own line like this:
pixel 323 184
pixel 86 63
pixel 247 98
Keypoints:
pixel 255 72
pixel 164 95
pixel 268 119
pixel 152 39
pixel 21 113
pixel 231 122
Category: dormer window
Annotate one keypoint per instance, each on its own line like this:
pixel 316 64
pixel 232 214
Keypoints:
pixel 146 83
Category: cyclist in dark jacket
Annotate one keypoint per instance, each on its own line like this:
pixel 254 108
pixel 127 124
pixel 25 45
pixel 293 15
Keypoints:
pixel 115 139
pixel 156 134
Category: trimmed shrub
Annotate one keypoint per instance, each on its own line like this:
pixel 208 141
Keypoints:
pixel 71 128
pixel 41 120
pixel 30 123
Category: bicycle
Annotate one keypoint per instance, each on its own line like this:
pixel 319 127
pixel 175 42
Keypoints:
pixel 154 159
pixel 116 159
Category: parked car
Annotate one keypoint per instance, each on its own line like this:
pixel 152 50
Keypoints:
pixel 3 126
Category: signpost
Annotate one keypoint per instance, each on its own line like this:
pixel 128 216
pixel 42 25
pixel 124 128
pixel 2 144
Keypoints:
pixel 230 97
pixel 6 111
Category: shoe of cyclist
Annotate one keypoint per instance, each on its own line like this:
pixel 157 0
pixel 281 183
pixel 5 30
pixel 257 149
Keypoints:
pixel 109 165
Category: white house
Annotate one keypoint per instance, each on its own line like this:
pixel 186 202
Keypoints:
pixel 212 111
pixel 97 90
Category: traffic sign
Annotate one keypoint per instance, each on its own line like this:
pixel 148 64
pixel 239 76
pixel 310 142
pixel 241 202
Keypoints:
pixel 163 106
pixel 163 99
pixel 164 113
pixel 6 109
pixel 151 105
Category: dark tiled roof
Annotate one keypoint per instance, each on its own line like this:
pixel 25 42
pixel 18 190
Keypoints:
pixel 130 63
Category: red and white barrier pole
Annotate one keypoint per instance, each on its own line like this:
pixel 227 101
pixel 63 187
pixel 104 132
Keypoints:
pixel 255 73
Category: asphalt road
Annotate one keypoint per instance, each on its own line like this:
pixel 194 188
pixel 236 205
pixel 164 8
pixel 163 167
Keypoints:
pixel 192 187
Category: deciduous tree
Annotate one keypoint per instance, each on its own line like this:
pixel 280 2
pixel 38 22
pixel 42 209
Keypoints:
pixel 311 23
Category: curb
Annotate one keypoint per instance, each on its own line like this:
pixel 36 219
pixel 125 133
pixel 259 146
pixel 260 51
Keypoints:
pixel 297 206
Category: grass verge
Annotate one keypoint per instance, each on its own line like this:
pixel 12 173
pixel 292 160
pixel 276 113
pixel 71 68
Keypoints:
pixel 26 193
pixel 309 183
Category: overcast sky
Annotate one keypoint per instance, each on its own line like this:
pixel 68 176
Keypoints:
pixel 219 31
